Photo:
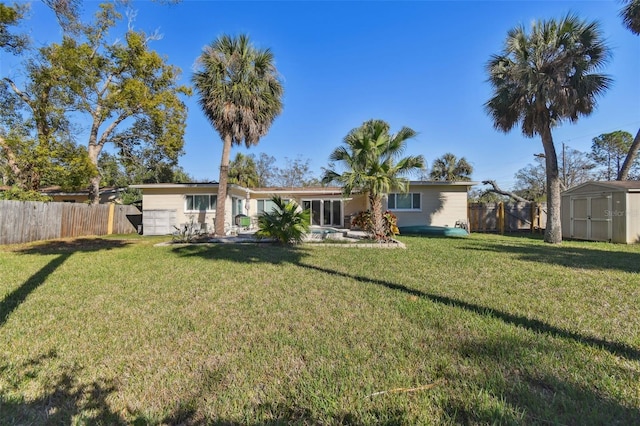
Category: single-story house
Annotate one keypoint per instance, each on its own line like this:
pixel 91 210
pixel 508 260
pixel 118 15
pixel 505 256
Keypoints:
pixel 427 203
pixel 107 195
pixel 602 211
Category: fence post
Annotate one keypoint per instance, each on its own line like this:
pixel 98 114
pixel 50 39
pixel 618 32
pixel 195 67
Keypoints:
pixel 538 218
pixel 501 218
pixel 112 207
pixel 532 206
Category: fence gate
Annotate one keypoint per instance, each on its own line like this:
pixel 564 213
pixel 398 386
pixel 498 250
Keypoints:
pixel 500 217
pixel 589 219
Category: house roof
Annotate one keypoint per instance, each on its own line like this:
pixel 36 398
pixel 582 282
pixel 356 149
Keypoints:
pixel 304 190
pixel 174 185
pixel 613 185
pixel 56 190
pixel 442 183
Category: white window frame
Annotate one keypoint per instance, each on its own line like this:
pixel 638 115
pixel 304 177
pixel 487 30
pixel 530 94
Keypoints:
pixel 209 208
pixel 264 201
pixel 412 195
pixel 337 221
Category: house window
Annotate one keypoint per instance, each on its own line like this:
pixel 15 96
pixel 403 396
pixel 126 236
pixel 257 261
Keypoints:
pixel 266 205
pixel 200 203
pixel 409 201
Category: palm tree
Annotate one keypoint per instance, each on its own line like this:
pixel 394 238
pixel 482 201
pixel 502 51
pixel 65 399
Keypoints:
pixel 369 157
pixel 450 169
pixel 285 222
pixel 241 94
pixel 542 79
pixel 243 171
pixel 630 14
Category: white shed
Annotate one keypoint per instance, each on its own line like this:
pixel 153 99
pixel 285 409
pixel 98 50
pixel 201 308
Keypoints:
pixel 602 211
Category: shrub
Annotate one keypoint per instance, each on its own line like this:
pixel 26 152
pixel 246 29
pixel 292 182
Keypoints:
pixel 285 222
pixel 17 194
pixel 186 232
pixel 364 221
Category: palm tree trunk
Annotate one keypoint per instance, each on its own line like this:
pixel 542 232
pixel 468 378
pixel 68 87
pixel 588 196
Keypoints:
pixel 631 157
pixel 553 230
pixel 222 185
pixel 376 216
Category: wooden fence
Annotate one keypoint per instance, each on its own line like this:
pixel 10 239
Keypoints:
pixel 501 217
pixel 25 221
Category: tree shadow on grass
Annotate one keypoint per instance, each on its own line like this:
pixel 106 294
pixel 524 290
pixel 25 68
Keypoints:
pixel 73 246
pixel 512 375
pixel 244 253
pixel 535 325
pixel 563 255
pixel 63 249
pixel 494 356
pixel 65 400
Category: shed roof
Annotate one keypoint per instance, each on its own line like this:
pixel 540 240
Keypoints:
pixel 611 185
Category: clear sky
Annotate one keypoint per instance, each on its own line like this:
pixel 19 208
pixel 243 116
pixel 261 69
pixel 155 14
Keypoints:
pixel 418 63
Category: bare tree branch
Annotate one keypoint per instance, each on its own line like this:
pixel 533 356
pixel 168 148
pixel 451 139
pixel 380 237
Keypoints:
pixel 498 190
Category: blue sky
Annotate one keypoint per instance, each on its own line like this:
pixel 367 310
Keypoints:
pixel 419 64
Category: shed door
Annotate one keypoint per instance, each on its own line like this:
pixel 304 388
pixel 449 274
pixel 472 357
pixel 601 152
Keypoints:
pixel 158 222
pixel 590 218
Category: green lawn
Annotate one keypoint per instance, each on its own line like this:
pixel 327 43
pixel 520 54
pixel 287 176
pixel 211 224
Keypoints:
pixel 506 330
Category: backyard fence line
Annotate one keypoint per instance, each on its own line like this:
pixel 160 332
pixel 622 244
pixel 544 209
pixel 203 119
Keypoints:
pixel 26 221
pixel 501 217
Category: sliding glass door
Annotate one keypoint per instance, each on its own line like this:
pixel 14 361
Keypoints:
pixel 324 212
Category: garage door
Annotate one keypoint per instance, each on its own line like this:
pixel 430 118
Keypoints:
pixel 589 218
pixel 158 222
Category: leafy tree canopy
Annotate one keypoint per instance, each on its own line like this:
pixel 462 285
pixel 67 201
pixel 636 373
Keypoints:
pixel 126 93
pixel 11 16
pixel 609 151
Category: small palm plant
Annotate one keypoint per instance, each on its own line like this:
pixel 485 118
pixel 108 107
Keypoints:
pixel 285 222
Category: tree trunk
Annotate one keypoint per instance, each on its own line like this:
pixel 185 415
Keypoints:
pixel 553 230
pixel 222 186
pixel 376 217
pixel 631 157
pixel 12 162
pixel 94 190
pixel 94 182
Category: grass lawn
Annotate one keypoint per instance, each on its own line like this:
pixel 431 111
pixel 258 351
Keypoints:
pixel 485 329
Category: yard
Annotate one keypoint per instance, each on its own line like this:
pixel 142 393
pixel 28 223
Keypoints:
pixel 485 329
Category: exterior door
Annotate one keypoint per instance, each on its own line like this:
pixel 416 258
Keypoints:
pixel 590 218
pixel 324 212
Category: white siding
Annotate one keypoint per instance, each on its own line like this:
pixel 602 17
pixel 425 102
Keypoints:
pixel 633 218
